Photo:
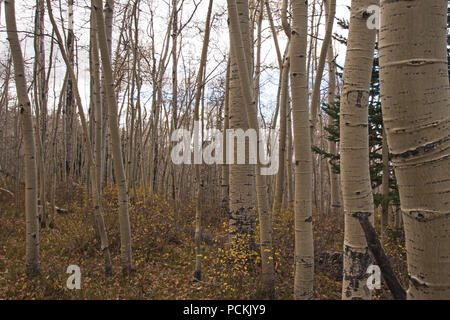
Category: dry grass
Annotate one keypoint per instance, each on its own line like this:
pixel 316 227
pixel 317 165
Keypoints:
pixel 163 253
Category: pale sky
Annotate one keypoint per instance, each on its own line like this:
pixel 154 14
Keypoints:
pixel 192 40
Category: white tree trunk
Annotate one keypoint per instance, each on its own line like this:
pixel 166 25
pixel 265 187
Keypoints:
pixel 416 115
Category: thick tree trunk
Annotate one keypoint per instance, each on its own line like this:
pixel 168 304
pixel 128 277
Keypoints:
pixel 416 114
pixel 242 190
pixel 354 135
pixel 239 43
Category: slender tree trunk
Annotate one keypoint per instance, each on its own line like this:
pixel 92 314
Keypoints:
pixel 69 107
pixel 304 249
pixel 90 156
pixel 315 99
pixel 354 139
pixel 40 102
pixel 124 218
pixel 284 98
pixel 289 157
pixel 197 136
pixel 335 198
pixel 416 114
pixel 31 210
pixel 226 126
pixel 385 189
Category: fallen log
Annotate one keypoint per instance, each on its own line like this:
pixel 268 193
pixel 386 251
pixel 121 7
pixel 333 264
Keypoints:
pixel 380 257
pixel 7 191
pixel 58 209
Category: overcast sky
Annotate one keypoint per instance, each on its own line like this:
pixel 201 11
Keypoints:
pixel 192 40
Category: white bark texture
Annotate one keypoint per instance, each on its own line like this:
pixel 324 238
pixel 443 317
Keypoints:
pixel 354 138
pixel 31 208
pixel 416 114
pixel 304 250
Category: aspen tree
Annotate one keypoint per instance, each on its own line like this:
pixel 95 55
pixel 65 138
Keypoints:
pixel 98 106
pixel 289 157
pixel 106 152
pixel 242 195
pixel 416 115
pixel 124 218
pixel 237 10
pixel 226 126
pixel 197 136
pixel 174 120
pixel 284 97
pixel 31 210
pixel 290 184
pixel 335 199
pixel 69 106
pixel 54 150
pixel 354 145
pixel 90 156
pixel 385 188
pixel 304 250
pixel 40 102
pixel 330 9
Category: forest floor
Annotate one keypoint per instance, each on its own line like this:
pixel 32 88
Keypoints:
pixel 164 254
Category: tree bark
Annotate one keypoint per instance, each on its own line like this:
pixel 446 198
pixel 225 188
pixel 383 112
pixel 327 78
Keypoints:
pixel 31 209
pixel 90 156
pixel 385 188
pixel 239 43
pixel 416 114
pixel 304 249
pixel 354 139
pixel 124 218
pixel 197 136
pixel 335 201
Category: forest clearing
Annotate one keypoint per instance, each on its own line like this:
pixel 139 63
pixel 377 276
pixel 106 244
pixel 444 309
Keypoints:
pixel 224 150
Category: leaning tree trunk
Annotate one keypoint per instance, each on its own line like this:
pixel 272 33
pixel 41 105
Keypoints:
pixel 90 156
pixel 240 59
pixel 335 199
pixel 284 99
pixel 354 135
pixel 31 212
pixel 315 97
pixel 242 191
pixel 304 249
pixel 124 218
pixel 69 106
pixel 416 115
pixel 197 136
